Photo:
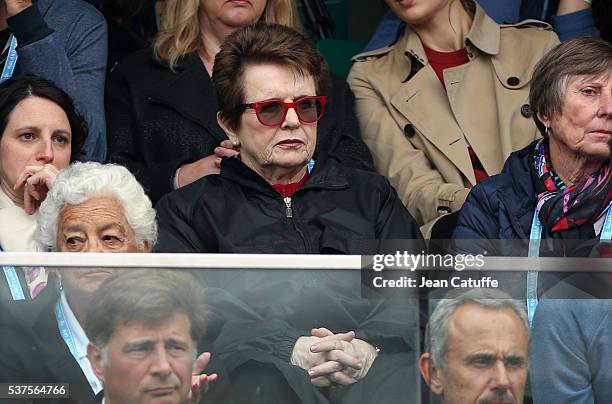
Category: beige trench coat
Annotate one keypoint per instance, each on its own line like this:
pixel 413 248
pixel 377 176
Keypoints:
pixel 418 132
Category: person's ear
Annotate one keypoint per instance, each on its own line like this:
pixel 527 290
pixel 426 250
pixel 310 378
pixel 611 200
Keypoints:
pixel 95 359
pixel 231 134
pixel 430 373
pixel 146 247
pixel 546 121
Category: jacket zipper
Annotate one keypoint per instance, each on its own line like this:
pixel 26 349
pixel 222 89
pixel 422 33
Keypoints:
pixel 289 215
pixel 288 210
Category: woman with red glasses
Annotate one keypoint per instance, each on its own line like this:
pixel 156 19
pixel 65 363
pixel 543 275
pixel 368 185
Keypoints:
pixel 273 198
pixel 161 105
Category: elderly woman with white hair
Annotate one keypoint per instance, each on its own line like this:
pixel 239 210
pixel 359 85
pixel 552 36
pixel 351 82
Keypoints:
pixel 94 194
pixel 91 208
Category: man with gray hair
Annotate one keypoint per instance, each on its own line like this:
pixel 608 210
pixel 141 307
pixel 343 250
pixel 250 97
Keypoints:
pixel 143 329
pixel 476 348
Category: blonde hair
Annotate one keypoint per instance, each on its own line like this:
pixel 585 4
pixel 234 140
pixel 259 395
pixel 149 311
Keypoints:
pixel 179 32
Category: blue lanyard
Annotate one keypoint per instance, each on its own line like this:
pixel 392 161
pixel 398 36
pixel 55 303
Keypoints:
pixel 66 334
pixel 62 324
pixel 11 61
pixel 534 251
pixel 13 281
pixel 310 165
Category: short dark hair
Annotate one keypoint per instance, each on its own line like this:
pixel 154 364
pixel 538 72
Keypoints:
pixel 17 89
pixel 149 296
pixel 584 56
pixel 258 44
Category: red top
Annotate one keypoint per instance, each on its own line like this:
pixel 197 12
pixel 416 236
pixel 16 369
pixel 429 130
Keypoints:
pixel 286 190
pixel 444 60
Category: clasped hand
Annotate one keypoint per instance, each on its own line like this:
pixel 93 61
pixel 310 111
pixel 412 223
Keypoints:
pixel 333 359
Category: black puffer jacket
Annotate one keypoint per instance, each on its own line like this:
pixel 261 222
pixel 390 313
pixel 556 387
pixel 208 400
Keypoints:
pixel 266 311
pixel 239 212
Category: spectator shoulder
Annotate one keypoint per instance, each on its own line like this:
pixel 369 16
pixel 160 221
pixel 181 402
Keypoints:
pixel 373 54
pixel 381 68
pixel 528 36
pixel 71 10
pixel 521 47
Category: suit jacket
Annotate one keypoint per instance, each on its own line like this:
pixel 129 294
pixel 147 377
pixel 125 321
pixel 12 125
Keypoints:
pixel 95 400
pixel 159 119
pixel 417 129
pixel 32 350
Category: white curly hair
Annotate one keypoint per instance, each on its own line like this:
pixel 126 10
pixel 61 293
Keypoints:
pixel 82 181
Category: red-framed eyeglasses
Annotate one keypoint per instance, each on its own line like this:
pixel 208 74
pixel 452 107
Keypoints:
pixel 273 112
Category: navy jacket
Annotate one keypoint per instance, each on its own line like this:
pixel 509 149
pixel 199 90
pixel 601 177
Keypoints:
pixel 500 207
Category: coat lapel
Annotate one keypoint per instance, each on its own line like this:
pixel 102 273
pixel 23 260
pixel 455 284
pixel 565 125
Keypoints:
pixel 479 128
pixel 414 101
pixel 448 128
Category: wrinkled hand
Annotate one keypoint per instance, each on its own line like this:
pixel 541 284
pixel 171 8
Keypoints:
pixel 35 182
pixel 347 361
pixel 207 165
pixel 14 7
pixel 333 358
pixel 200 382
pixel 302 355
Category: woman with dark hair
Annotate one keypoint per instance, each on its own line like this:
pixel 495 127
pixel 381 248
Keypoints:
pixel 161 104
pixel 272 87
pixel 41 133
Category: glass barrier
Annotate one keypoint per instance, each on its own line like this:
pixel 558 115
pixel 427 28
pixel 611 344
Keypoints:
pixel 301 328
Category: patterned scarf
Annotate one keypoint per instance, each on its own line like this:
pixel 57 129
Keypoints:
pixel 569 212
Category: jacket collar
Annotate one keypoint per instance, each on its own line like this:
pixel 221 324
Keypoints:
pixel 190 92
pixel 327 173
pixel 484 35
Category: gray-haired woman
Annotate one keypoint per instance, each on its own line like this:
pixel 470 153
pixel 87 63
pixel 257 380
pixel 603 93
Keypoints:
pixel 558 188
